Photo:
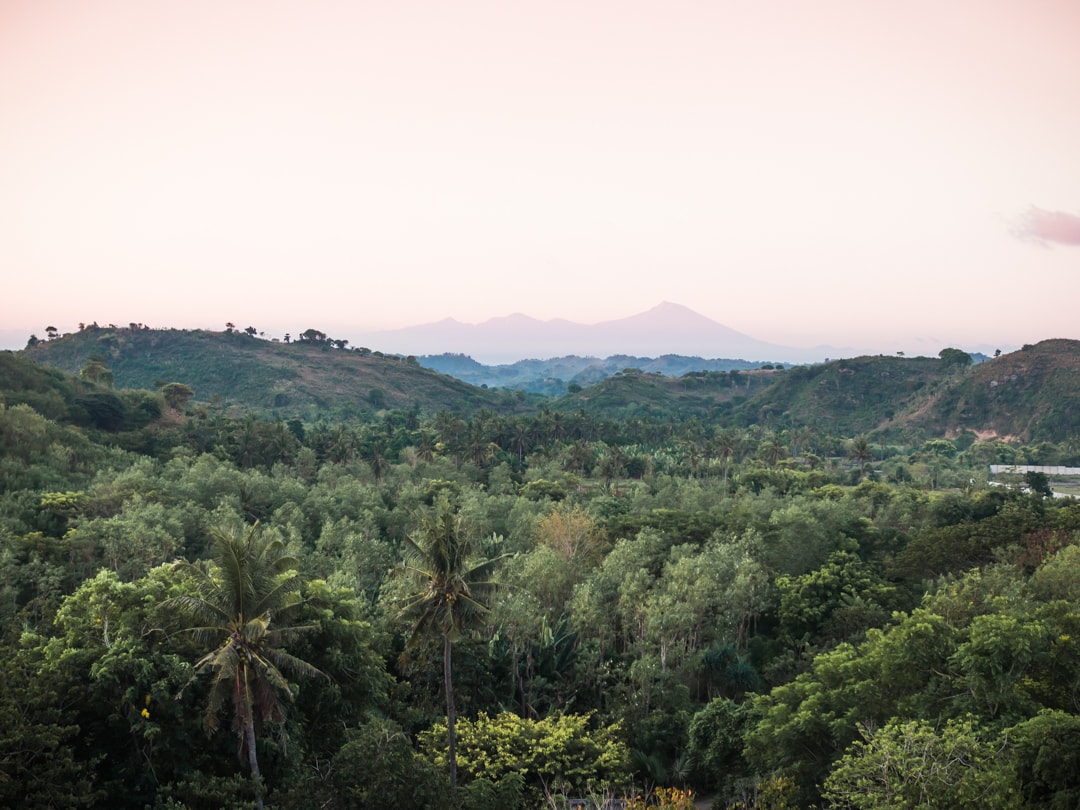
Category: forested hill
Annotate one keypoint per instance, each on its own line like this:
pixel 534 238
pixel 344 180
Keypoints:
pixel 1030 395
pixel 554 376
pixel 306 376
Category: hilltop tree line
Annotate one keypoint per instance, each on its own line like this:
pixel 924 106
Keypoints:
pixel 311 335
pixel 203 608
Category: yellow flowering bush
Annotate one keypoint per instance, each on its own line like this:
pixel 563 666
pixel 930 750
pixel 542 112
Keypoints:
pixel 663 799
pixel 557 753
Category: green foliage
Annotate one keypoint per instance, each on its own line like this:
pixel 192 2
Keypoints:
pixel 176 394
pixel 48 391
pixel 838 601
pixel 769 793
pixel 541 489
pixel 345 645
pixel 634 394
pixel 110 669
pixel 125 410
pixel 962 545
pixel 201 790
pixel 1038 483
pixel 904 765
pixel 979 647
pixel 39 767
pixel 556 754
pixel 1046 752
pixel 1027 394
pixel 23 432
pixel 548 376
pixel 736 601
pixel 663 798
pixel 715 743
pixel 482 794
pixel 375 767
pixel 955 357
pixel 997 659
pixel 140 537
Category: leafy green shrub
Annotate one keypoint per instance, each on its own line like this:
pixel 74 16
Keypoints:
pixel 553 754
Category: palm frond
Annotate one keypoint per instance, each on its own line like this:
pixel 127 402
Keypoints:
pixel 283 635
pixel 199 609
pixel 275 593
pixel 205 635
pixel 225 663
pixel 297 667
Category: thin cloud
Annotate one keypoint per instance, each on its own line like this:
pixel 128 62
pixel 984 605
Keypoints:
pixel 1049 226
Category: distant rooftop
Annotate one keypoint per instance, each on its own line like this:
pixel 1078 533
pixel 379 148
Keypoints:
pixel 995 469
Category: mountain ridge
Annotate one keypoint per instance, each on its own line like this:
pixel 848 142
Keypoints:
pixel 1030 394
pixel 553 376
pixel 665 329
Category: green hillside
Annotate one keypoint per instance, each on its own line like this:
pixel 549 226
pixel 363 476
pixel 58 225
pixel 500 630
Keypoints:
pixel 1030 395
pixel 48 391
pixel 636 394
pixel 236 368
pixel 854 396
pixel 553 376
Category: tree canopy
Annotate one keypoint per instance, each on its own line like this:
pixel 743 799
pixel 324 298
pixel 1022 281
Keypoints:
pixel 528 607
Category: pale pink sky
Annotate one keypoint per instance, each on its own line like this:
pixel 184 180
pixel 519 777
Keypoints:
pixel 850 172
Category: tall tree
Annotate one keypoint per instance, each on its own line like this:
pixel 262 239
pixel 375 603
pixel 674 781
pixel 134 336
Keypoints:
pixel 243 602
pixel 453 586
pixel 726 445
pixel 860 451
pixel 773 449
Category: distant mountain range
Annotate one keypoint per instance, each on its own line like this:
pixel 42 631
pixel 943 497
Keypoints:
pixel 555 376
pixel 663 330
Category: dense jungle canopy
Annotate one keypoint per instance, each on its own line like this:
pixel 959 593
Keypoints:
pixel 497 601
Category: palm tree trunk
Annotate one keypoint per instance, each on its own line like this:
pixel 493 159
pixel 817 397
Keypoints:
pixel 249 733
pixel 448 682
pixel 249 739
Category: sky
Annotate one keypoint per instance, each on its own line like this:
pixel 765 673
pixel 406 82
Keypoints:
pixel 871 173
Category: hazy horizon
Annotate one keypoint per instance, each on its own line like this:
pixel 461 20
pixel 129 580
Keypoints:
pixel 844 173
pixel 404 341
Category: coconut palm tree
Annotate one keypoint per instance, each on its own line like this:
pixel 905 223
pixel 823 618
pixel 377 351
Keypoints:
pixel 725 446
pixel 860 451
pixel 521 435
pixel 799 436
pixel 241 608
pixel 452 589
pixel 773 449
